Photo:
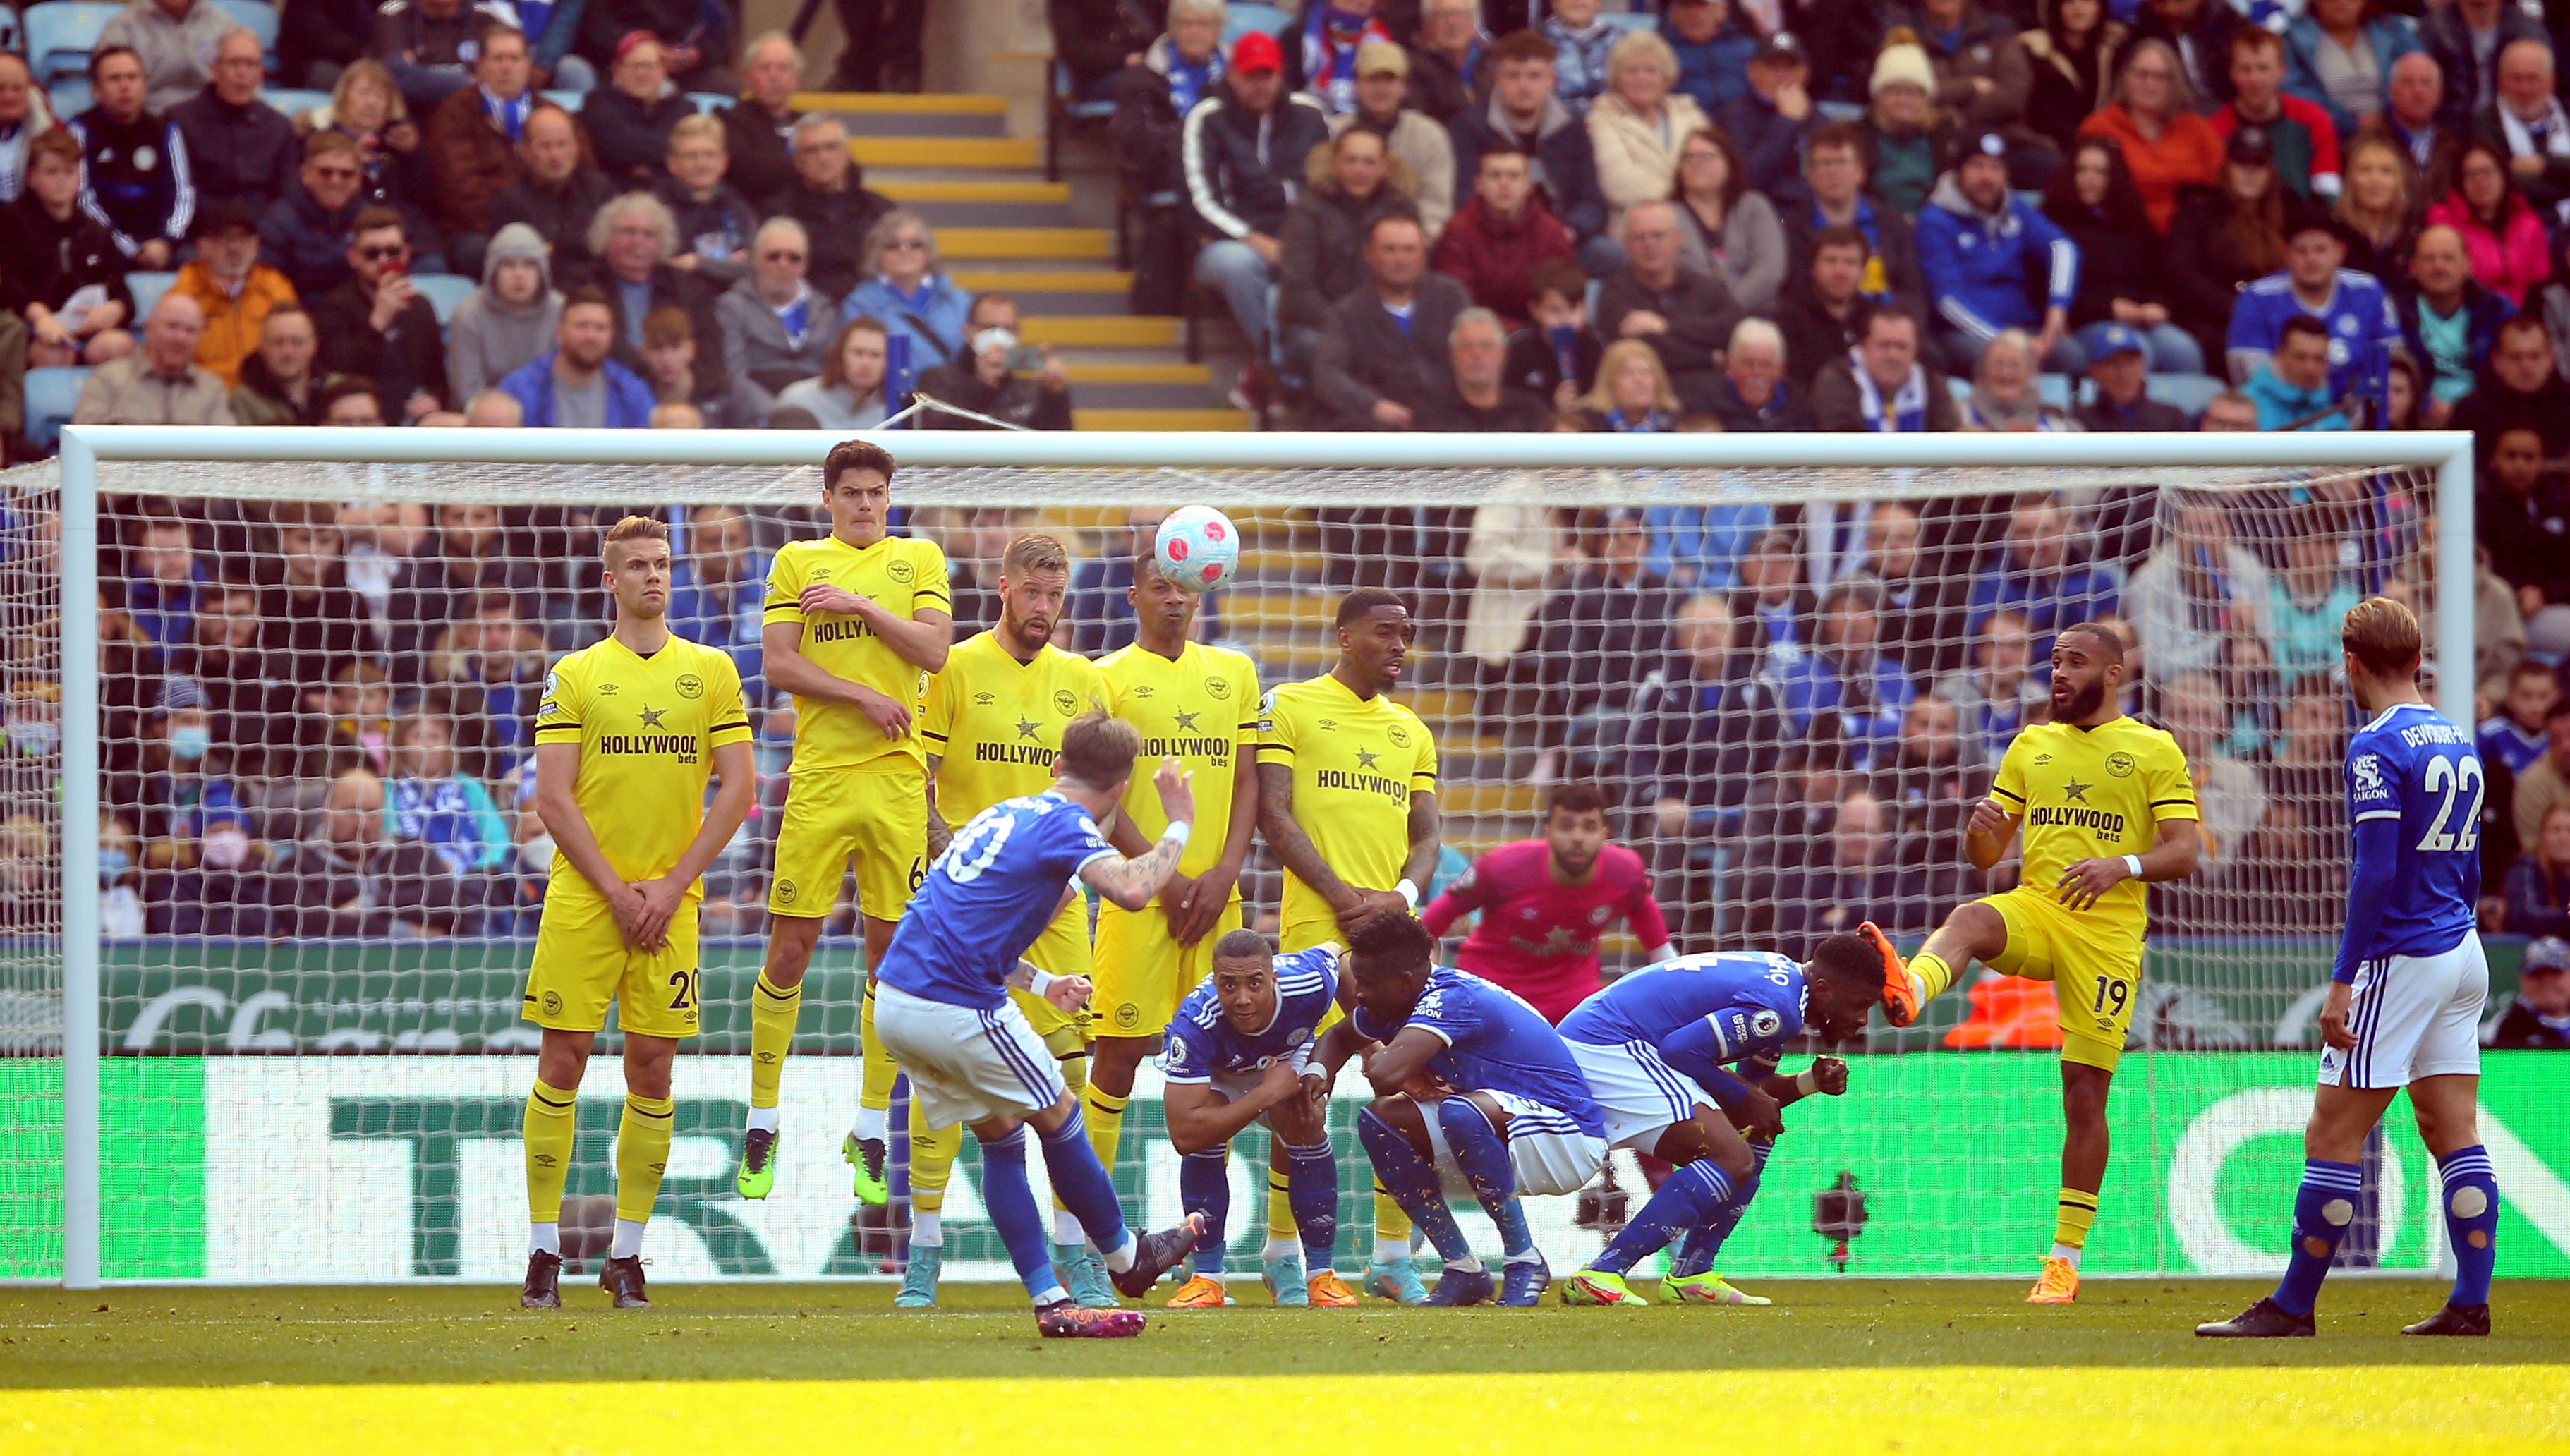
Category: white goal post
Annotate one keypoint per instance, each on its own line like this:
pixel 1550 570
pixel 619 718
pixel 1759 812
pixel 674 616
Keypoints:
pixel 965 468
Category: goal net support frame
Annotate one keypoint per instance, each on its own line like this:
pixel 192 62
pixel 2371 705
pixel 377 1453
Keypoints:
pixel 1168 458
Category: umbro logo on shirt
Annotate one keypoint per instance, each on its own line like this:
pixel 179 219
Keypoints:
pixel 605 689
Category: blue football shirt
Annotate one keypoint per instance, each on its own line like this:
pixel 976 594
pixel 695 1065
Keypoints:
pixel 1495 1043
pixel 2419 774
pixel 1751 999
pixel 1203 1044
pixel 987 898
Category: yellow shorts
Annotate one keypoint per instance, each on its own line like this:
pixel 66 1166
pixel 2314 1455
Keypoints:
pixel 583 966
pixel 2095 971
pixel 877 817
pixel 1062 950
pixel 1142 971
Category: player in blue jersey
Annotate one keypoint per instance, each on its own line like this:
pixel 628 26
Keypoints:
pixel 1653 1048
pixel 2405 1005
pixel 942 1009
pixel 1240 1051
pixel 1472 1088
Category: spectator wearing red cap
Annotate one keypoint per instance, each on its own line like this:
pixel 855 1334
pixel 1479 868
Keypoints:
pixel 1242 151
pixel 697 39
pixel 628 120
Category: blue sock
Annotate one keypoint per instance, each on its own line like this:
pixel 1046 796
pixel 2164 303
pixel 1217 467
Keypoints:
pixel 1011 1200
pixel 1705 1242
pixel 2472 1220
pixel 1686 1200
pixel 1312 1190
pixel 1082 1185
pixel 1482 1156
pixel 1693 1253
pixel 1407 1175
pixel 1205 1186
pixel 2323 1207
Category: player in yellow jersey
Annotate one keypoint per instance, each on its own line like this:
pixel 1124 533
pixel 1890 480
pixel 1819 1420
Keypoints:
pixel 1347 800
pixel 2108 804
pixel 1199 704
pixel 626 736
pixel 992 729
pixel 855 624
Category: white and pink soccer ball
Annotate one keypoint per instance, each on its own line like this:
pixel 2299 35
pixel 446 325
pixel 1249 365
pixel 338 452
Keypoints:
pixel 1198 548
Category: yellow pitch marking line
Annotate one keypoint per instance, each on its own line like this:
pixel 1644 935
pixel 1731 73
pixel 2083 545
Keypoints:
pixel 1969 1410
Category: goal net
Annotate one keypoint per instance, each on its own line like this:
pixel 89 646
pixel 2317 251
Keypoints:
pixel 270 871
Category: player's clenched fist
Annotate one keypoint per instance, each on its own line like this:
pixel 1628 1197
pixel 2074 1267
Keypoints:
pixel 1988 818
pixel 1830 1076
pixel 1069 993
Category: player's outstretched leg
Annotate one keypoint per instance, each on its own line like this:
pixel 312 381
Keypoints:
pixel 1692 1279
pixel 1691 1197
pixel 1204 1189
pixel 1480 1154
pixel 1010 1199
pixel 1312 1187
pixel 1134 1264
pixel 1972 932
pixel 1081 1272
pixel 1405 1173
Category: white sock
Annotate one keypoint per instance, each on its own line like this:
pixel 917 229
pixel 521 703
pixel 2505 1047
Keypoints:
pixel 1066 1230
pixel 1469 1263
pixel 628 1238
pixel 1055 1294
pixel 870 1123
pixel 544 1238
pixel 928 1230
pixel 1531 1255
pixel 1121 1257
pixel 763 1119
pixel 1918 984
pixel 2065 1251
pixel 1280 1248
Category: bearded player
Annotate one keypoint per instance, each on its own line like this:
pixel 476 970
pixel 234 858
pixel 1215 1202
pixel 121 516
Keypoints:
pixel 626 734
pixel 993 727
pixel 1544 902
pixel 1199 705
pixel 2107 806
pixel 1347 802
pixel 855 624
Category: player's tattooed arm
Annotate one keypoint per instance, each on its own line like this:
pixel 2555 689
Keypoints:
pixel 1294 849
pixel 1130 883
pixel 1067 993
pixel 1426 833
pixel 940 833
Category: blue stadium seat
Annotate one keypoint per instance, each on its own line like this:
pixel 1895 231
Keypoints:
pixel 61 34
pixel 1066 110
pixel 708 103
pixel 258 16
pixel 444 291
pixel 2188 392
pixel 1962 389
pixel 67 96
pixel 567 100
pixel 12 38
pixel 1240 20
pixel 148 288
pixel 294 103
pixel 1630 21
pixel 51 393
pixel 2053 389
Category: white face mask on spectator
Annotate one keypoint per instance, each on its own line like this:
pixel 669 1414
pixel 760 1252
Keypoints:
pixel 227 849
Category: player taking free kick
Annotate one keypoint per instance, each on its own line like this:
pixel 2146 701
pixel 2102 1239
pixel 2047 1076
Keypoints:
pixel 943 1011
pixel 855 623
pixel 2107 805
pixel 2404 1003
pixel 627 734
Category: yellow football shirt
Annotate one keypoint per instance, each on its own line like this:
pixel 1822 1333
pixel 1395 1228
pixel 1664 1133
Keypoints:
pixel 2092 793
pixel 904 574
pixel 997 722
pixel 646 729
pixel 1201 710
pixel 1356 764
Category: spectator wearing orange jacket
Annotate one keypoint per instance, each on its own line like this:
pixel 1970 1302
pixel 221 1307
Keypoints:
pixel 232 286
pixel 2152 121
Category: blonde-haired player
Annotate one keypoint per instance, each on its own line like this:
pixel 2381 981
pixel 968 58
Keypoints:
pixel 1199 705
pixel 626 736
pixel 2108 804
pixel 1347 800
pixel 855 624
pixel 993 728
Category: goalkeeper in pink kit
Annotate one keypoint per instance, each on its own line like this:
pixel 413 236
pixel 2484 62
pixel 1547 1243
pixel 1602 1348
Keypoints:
pixel 1545 903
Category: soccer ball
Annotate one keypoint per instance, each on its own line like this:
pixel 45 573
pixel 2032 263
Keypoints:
pixel 1198 548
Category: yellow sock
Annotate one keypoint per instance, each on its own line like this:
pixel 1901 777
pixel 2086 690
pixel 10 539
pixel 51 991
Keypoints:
pixel 1390 1229
pixel 1105 1113
pixel 771 1036
pixel 553 1116
pixel 641 1154
pixel 1280 1207
pixel 1933 973
pixel 2071 1219
pixel 875 1092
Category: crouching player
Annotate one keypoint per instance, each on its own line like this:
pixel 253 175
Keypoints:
pixel 1240 1051
pixel 943 1010
pixel 1473 1086
pixel 1653 1048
